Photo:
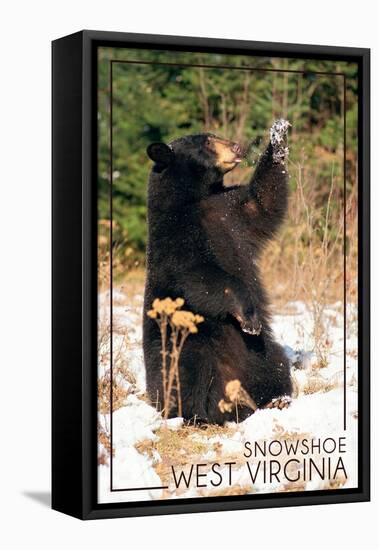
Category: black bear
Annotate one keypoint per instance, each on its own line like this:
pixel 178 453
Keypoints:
pixel 204 241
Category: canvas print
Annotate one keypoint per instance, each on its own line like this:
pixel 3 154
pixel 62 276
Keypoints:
pixel 227 275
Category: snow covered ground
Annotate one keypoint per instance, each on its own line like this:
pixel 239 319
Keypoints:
pixel 150 453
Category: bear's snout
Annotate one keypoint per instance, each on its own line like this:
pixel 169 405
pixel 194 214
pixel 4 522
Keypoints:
pixel 228 154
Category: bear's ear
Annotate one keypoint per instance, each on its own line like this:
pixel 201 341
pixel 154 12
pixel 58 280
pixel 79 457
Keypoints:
pixel 160 153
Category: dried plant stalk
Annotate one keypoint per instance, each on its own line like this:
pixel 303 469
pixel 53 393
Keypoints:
pixel 171 318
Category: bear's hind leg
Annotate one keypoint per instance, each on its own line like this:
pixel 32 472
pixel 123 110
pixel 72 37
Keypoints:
pixel 195 368
pixel 270 384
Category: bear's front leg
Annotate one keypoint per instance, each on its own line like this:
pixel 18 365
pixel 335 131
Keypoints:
pixel 268 188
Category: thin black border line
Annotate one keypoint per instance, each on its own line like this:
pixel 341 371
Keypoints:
pixel 317 73
pixel 111 269
pixel 242 68
pixel 344 259
pixel 139 489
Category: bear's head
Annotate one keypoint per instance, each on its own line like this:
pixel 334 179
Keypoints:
pixel 201 154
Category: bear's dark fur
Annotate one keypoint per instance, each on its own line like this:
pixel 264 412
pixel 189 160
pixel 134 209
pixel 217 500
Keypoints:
pixel 204 241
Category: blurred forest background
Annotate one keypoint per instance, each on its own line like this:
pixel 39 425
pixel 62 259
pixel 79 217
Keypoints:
pixel 159 102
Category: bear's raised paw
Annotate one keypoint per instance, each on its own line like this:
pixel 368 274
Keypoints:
pixel 278 135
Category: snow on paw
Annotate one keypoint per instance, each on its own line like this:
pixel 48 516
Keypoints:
pixel 278 135
pixel 282 402
pixel 278 131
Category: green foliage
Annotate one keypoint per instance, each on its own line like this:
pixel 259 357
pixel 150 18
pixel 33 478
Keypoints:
pixel 159 102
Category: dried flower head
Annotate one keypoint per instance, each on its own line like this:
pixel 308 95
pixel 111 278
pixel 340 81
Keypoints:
pixel 152 313
pixel 232 390
pixel 166 306
pixel 186 320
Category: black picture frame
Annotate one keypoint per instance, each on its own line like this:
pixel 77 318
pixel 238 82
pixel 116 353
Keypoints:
pixel 74 273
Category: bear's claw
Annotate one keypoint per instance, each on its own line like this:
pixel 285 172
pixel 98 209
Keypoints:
pixel 253 328
pixel 282 402
pixel 250 324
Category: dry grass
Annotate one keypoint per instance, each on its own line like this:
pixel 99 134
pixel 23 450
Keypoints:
pixel 180 448
pixel 307 255
pixel 234 490
pixel 317 383
pixel 104 440
pixel 125 266
pixel 305 262
pixel 119 376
